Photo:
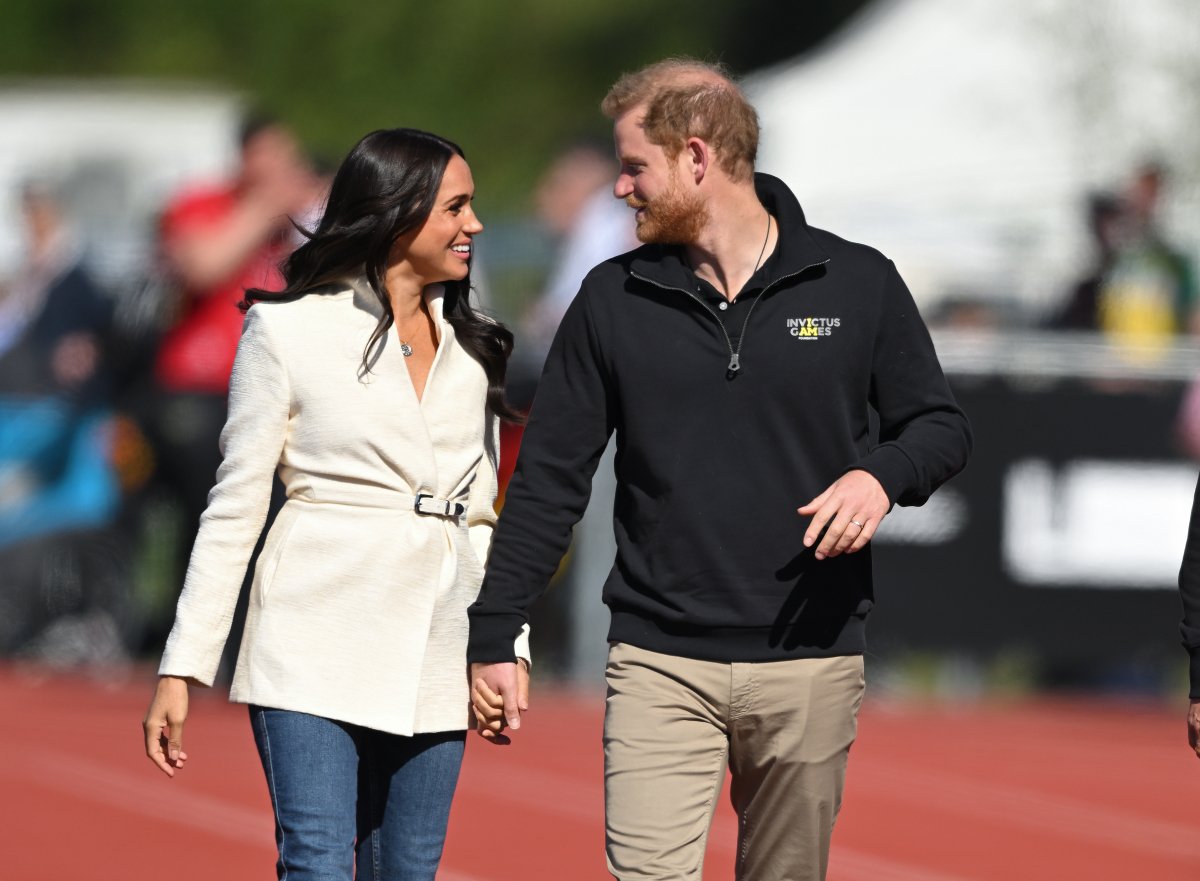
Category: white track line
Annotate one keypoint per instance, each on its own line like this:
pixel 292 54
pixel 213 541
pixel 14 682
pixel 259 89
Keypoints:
pixel 157 799
pixel 1020 806
pixel 583 800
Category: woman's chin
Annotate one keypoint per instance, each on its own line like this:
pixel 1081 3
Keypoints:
pixel 454 273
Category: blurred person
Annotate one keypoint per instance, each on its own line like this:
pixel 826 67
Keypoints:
pixel 374 389
pixel 574 201
pixel 737 355
pixel 55 321
pixel 218 241
pixel 1187 421
pixel 64 598
pixel 1148 294
pixel 1104 218
pixel 968 313
pixel 1189 592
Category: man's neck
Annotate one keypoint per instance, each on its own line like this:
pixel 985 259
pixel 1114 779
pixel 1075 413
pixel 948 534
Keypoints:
pixel 735 243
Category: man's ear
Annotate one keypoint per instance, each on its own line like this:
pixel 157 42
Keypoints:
pixel 699 158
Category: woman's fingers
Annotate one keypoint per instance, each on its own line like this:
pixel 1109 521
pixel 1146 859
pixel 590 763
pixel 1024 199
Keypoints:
pixel 163 725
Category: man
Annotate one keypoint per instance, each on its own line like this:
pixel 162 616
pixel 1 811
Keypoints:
pixel 1148 293
pixel 736 355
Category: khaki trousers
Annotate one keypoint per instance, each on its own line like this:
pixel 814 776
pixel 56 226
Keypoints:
pixel 671 727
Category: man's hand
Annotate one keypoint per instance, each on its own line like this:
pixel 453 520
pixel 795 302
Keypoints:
pixel 853 507
pixel 499 695
pixel 1193 722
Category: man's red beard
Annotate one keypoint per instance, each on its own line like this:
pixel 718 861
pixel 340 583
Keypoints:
pixel 671 218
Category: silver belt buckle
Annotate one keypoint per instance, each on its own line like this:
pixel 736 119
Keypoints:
pixel 448 508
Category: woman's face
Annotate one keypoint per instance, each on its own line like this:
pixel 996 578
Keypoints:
pixel 439 250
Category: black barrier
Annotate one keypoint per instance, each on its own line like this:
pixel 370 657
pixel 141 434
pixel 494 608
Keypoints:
pixel 1060 541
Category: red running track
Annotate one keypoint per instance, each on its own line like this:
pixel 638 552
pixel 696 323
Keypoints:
pixel 1022 791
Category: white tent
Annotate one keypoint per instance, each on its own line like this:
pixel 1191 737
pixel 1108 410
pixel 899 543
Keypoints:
pixel 117 150
pixel 961 137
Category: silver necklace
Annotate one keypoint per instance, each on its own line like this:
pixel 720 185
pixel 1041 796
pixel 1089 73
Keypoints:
pixel 757 263
pixel 405 349
pixel 763 249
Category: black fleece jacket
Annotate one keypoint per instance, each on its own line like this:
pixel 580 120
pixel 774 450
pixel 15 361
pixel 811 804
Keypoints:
pixel 718 444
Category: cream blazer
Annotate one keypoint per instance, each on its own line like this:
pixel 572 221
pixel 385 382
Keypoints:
pixel 358 610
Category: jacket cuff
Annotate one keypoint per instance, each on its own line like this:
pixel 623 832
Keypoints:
pixel 891 467
pixel 200 672
pixel 521 646
pixel 492 641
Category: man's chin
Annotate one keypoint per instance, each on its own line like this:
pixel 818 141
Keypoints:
pixel 650 234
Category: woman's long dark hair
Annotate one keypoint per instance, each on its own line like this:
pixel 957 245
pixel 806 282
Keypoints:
pixel 385 187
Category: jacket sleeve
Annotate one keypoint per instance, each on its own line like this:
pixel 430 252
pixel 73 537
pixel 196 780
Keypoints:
pixel 251 443
pixel 481 503
pixel 481 512
pixel 1189 594
pixel 568 429
pixel 924 438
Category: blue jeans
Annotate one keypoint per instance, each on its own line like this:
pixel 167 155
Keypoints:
pixel 346 795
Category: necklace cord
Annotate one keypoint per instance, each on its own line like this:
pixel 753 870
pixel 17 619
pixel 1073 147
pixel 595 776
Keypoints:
pixel 763 249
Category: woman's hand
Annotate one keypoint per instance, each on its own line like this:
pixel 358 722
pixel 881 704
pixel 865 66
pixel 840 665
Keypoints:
pixel 164 724
pixel 499 695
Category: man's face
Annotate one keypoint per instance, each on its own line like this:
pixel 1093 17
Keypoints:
pixel 669 210
pixel 270 154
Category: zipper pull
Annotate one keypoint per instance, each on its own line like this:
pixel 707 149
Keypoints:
pixel 734 366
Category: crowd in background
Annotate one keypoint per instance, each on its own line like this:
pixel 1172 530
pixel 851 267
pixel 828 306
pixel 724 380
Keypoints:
pixel 109 427
pixel 1140 288
pixel 109 419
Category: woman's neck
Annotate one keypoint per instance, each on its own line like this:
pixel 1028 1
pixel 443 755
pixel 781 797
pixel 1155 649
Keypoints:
pixel 405 292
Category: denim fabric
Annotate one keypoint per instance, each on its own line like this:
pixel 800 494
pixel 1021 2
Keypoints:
pixel 345 795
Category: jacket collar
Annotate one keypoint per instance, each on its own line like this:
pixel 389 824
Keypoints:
pixel 796 250
pixel 365 299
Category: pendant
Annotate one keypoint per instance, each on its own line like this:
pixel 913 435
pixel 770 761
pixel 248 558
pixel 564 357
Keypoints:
pixel 405 349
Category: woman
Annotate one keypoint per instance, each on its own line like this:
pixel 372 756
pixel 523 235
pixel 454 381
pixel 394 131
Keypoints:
pixel 353 657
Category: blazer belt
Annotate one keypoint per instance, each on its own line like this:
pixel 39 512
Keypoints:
pixel 425 504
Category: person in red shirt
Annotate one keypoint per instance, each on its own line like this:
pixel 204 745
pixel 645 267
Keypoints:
pixel 216 241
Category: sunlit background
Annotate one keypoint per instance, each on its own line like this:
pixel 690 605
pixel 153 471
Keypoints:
pixel 1032 166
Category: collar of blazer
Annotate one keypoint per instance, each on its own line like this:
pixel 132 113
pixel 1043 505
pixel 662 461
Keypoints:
pixel 366 300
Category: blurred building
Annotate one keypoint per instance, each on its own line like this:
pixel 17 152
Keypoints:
pixel 119 150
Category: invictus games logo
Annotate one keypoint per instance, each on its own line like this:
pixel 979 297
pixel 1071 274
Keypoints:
pixel 812 328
